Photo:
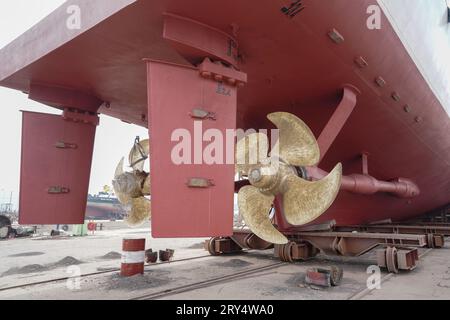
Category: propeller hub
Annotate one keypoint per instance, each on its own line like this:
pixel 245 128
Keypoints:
pixel 129 183
pixel 268 178
pixel 255 175
pixel 265 177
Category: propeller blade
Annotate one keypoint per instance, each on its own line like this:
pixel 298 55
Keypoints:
pixel 119 169
pixel 117 186
pixel 254 207
pixel 146 189
pixel 123 197
pixel 138 154
pixel 296 144
pixel 140 211
pixel 250 150
pixel 304 201
pixel 129 185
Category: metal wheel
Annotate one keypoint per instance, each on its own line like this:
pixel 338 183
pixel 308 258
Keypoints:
pixel 391 259
pixel 4 221
pixel 212 246
pixel 283 253
pixel 286 252
pixel 4 232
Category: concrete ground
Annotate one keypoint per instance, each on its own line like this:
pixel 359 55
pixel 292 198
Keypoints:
pixel 31 260
pixel 41 258
pixel 430 281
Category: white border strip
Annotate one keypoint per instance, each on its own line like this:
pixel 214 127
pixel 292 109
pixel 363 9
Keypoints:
pixel 133 256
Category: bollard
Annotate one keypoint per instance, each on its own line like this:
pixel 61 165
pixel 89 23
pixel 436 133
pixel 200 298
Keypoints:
pixel 133 257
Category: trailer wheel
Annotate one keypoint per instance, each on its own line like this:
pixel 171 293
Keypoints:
pixel 4 232
pixel 212 246
pixel 391 259
pixel 5 226
pixel 286 252
pixel 4 221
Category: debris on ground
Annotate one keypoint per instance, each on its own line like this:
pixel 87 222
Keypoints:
pixel 166 255
pixel 150 256
pixel 324 277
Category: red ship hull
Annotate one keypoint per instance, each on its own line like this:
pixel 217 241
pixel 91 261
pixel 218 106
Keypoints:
pixel 99 210
pixel 292 65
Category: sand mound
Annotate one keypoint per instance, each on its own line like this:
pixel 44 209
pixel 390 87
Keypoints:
pixel 113 255
pixel 67 261
pixel 32 268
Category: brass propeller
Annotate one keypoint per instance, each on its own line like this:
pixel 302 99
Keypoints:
pixel 139 154
pixel 303 201
pixel 245 158
pixel 132 187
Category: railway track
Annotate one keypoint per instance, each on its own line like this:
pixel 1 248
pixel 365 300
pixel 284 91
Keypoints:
pixel 55 280
pixel 208 283
pixel 258 271
pixel 242 275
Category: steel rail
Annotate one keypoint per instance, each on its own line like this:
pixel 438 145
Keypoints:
pixel 207 283
pixel 147 268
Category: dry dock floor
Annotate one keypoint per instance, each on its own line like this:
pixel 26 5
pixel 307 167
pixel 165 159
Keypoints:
pixel 196 275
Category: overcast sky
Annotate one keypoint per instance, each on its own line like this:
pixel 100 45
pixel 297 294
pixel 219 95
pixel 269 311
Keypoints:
pixel 114 138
